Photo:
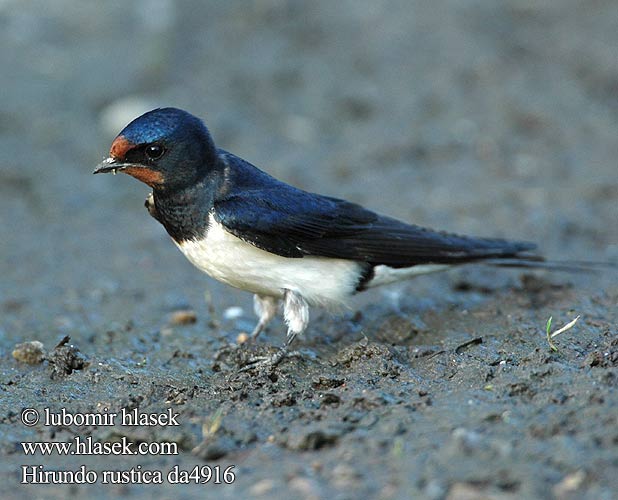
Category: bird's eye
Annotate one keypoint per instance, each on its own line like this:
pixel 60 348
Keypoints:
pixel 154 151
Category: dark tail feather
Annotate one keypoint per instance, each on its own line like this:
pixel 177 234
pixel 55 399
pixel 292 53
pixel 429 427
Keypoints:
pixel 569 266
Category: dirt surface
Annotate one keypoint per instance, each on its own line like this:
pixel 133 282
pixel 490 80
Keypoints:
pixel 481 117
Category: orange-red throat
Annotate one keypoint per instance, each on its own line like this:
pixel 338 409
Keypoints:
pixel 146 175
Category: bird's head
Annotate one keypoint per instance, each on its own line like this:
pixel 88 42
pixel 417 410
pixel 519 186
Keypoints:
pixel 166 148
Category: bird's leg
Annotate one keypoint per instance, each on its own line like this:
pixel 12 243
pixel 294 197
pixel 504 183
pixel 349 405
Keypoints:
pixel 296 316
pixel 265 308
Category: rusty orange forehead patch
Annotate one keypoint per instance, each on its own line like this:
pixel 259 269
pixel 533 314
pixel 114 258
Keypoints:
pixel 145 175
pixel 120 147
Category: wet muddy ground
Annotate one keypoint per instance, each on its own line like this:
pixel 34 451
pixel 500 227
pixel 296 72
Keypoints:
pixel 481 117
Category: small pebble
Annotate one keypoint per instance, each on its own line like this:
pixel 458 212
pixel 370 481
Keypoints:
pixel 32 352
pixel 183 317
pixel 262 487
pixel 569 484
pixel 305 487
pixel 233 313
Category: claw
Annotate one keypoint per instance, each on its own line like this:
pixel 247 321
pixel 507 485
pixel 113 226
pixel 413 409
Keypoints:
pixel 269 361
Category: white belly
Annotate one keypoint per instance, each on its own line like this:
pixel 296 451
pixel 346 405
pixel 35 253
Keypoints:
pixel 229 259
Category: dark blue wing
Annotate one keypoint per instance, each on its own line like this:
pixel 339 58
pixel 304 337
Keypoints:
pixel 290 222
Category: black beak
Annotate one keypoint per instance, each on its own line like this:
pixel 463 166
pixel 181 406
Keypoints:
pixel 110 165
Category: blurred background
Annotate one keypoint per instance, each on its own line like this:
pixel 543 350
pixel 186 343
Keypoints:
pixel 481 117
pixel 490 118
pixel 484 117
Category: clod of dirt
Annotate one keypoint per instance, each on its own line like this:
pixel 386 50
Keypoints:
pixel 327 382
pixel 605 357
pixel 362 350
pixel 397 330
pixel 183 317
pixel 65 359
pixel 313 438
pixel 238 356
pixel 329 399
pixel 32 352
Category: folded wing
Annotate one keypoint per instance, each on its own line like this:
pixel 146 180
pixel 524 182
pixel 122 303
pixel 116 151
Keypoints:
pixel 293 223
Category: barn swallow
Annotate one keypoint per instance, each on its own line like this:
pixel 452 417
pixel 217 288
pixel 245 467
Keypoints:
pixel 285 245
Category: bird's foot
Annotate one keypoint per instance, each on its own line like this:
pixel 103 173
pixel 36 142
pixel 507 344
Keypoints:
pixel 269 361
